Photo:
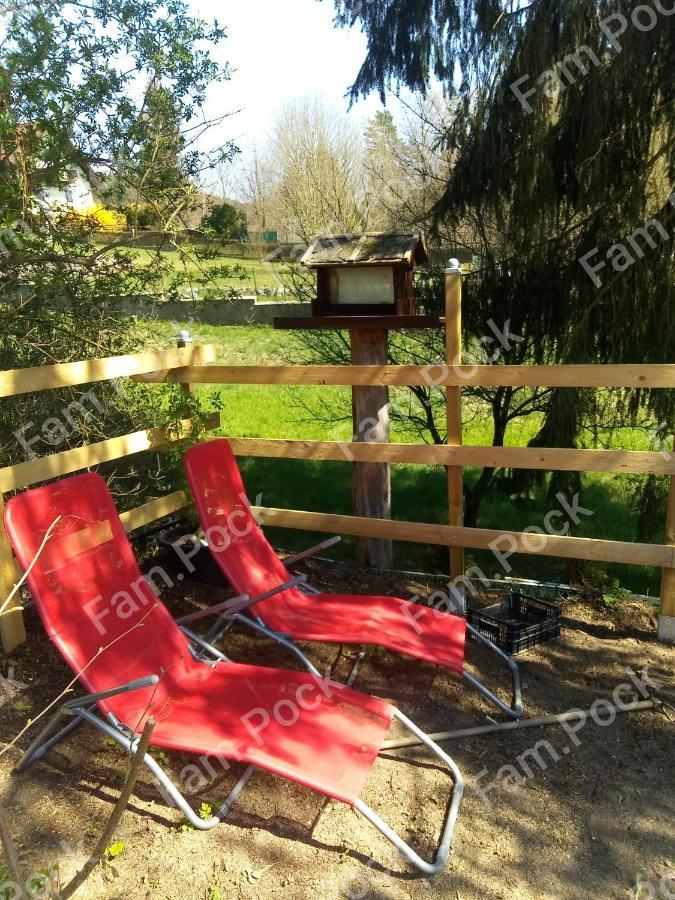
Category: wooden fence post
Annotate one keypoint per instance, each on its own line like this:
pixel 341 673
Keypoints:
pixel 185 340
pixel 667 607
pixel 453 357
pixel 12 628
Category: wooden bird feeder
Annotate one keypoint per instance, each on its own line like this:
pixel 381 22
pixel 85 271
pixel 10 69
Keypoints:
pixel 364 281
pixel 365 285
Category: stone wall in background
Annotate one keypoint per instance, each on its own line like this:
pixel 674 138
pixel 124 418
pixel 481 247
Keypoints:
pixel 244 311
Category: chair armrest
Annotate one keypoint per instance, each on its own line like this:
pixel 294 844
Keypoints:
pixel 136 685
pixel 239 604
pixel 306 554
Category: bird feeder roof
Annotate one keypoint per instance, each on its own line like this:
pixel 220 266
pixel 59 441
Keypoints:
pixel 384 248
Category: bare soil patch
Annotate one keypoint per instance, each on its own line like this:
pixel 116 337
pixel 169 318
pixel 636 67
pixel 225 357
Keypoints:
pixel 587 824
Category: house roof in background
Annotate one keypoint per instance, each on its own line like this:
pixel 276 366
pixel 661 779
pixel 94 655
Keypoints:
pixel 380 248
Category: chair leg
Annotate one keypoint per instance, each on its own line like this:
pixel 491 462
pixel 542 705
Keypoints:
pixel 355 668
pixel 167 786
pixel 515 711
pixel 284 641
pixel 445 843
pixel 47 739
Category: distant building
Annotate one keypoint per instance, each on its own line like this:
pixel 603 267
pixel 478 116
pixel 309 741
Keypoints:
pixel 74 191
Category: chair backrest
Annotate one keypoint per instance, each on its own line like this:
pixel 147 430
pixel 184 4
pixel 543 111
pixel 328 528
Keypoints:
pixel 87 586
pixel 235 539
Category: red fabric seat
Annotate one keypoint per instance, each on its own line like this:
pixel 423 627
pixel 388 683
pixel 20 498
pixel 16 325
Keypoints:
pixel 250 564
pixel 90 595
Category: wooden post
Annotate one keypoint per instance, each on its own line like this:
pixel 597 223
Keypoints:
pixel 453 356
pixel 371 481
pixel 667 607
pixel 12 628
pixel 185 340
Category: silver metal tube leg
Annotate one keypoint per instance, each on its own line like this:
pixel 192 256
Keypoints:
pixel 168 788
pixel 515 711
pixel 46 739
pixel 443 851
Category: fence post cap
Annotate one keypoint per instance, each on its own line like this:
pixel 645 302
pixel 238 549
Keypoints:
pixel 453 267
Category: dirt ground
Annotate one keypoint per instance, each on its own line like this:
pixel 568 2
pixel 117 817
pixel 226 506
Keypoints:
pixel 587 824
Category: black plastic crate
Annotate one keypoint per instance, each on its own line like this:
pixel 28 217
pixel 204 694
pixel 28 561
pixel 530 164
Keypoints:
pixel 517 623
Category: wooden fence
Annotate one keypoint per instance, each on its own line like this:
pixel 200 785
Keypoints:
pixel 35 471
pixel 191 366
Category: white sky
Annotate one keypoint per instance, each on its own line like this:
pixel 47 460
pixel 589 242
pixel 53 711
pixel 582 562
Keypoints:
pixel 280 50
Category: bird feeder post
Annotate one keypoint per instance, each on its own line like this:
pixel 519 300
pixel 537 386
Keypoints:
pixel 371 481
pixel 453 355
pixel 365 286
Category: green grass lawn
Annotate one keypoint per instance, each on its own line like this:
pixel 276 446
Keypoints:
pixel 418 492
pixel 247 275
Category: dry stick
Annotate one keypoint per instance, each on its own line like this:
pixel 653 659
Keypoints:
pixel 68 688
pixel 397 743
pixel 11 855
pixel 102 843
pixel 25 575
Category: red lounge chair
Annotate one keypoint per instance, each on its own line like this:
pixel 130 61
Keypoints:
pixel 285 610
pixel 90 595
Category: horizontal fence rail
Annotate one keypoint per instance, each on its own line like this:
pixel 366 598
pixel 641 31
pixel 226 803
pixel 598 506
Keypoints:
pixel 476 538
pixel 154 366
pixel 33 471
pixel 591 376
pixel 41 378
pixel 561 460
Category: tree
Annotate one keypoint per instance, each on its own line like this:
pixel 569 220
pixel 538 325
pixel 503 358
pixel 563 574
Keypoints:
pixel 316 160
pixel 563 140
pixel 562 166
pixel 385 177
pixel 70 74
pixel 225 220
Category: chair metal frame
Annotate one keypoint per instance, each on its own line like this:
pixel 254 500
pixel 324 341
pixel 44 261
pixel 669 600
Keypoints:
pixel 82 709
pixel 515 711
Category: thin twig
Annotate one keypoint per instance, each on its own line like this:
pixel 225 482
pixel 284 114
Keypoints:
pixel 114 820
pixel 11 855
pixel 25 575
pixel 71 684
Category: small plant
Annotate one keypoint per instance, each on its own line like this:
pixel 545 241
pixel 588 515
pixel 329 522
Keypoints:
pixel 205 811
pixel 20 705
pixel 214 893
pixel 109 855
pixel 45 883
pixel 113 851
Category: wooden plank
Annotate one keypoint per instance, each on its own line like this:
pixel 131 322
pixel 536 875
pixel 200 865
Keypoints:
pixel 629 376
pixel 12 628
pixel 86 539
pixel 344 323
pixel 453 358
pixel 42 378
pixel 477 538
pixel 154 510
pixel 36 470
pixel 561 460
